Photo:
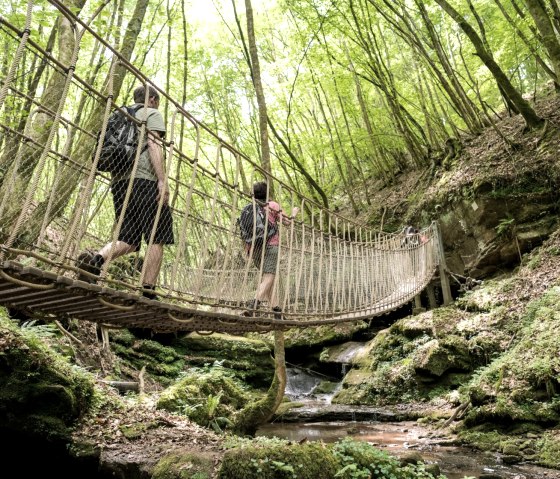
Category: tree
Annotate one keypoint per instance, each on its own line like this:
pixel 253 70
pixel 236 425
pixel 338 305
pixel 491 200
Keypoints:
pixel 549 37
pixel 531 118
pixel 262 410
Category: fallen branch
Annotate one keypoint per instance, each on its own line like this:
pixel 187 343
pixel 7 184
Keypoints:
pixel 461 409
pixel 68 334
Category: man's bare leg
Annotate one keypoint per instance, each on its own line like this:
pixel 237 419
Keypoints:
pixel 265 290
pixel 121 248
pixel 154 257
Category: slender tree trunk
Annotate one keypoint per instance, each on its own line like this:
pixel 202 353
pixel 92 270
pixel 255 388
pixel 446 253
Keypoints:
pixel 544 23
pixel 261 411
pixel 38 126
pixel 85 144
pixel 531 118
pixel 527 43
pixel 13 143
pixel 257 82
pixel 314 186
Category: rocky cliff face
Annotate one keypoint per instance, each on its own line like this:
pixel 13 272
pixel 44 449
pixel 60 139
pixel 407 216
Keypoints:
pixel 496 201
pixel 486 235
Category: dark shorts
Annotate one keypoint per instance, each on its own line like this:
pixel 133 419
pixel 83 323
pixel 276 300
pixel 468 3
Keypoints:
pixel 141 213
pixel 270 259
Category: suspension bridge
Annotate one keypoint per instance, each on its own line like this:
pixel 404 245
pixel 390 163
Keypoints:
pixel 55 204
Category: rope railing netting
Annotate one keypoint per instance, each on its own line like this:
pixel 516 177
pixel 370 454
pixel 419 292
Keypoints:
pixel 55 204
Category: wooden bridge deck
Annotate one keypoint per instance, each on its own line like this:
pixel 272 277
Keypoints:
pixel 47 295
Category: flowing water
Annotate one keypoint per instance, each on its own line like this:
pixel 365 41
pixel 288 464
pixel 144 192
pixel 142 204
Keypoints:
pixel 397 438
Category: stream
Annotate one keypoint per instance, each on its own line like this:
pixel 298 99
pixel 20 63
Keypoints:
pixel 319 420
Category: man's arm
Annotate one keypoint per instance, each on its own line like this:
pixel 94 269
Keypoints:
pixel 156 157
pixel 287 220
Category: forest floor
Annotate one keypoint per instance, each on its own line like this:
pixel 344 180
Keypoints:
pixel 484 158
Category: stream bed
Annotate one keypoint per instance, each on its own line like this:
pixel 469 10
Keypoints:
pixel 403 437
pixel 319 420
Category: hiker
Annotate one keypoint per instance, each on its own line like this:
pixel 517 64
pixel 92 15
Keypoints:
pixel 148 187
pixel 411 240
pixel 412 237
pixel 266 290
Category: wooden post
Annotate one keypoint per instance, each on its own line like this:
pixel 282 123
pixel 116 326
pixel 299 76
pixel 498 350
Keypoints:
pixel 418 305
pixel 445 287
pixel 431 296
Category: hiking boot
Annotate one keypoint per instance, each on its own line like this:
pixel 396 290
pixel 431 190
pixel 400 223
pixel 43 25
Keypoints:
pixel 277 311
pixel 252 306
pixel 91 263
pixel 149 292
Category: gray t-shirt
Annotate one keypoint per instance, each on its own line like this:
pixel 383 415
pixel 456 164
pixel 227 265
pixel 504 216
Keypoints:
pixel 154 122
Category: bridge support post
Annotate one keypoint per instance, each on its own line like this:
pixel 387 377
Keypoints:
pixel 445 286
pixel 432 302
pixel 418 305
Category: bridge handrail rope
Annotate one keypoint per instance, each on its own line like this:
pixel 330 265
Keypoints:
pixel 55 204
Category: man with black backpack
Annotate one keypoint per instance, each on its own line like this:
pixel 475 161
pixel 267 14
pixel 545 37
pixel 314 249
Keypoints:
pixel 148 187
pixel 257 235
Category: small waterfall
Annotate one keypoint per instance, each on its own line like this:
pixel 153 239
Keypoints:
pixel 300 383
pixel 305 385
pixel 308 385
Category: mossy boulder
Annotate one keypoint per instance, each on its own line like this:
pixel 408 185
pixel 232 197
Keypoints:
pixel 186 465
pixel 250 360
pixel 41 393
pixel 211 398
pixel 276 459
pixel 523 385
pixel 298 338
pixel 439 356
pixel 162 363
pixel 306 461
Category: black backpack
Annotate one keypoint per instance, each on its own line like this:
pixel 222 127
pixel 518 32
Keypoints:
pixel 247 224
pixel 118 150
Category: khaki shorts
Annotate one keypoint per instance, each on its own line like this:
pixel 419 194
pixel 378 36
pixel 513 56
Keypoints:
pixel 270 259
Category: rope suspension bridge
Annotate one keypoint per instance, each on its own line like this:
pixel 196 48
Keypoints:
pixel 55 204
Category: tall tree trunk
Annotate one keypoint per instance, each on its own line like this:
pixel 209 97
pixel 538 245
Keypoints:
pixel 257 82
pixel 85 144
pixel 527 43
pixel 262 410
pixel 17 179
pixel 531 118
pixel 314 186
pixel 538 11
pixel 13 143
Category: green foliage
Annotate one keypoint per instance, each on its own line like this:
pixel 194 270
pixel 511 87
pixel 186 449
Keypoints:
pixel 505 227
pixel 361 460
pixel 278 460
pixel 208 396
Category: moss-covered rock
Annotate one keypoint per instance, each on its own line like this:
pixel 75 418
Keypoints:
pixel 163 363
pixel 210 398
pixel 250 360
pixel 522 385
pixel 278 459
pixel 41 393
pixel 185 466
pixel 439 356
